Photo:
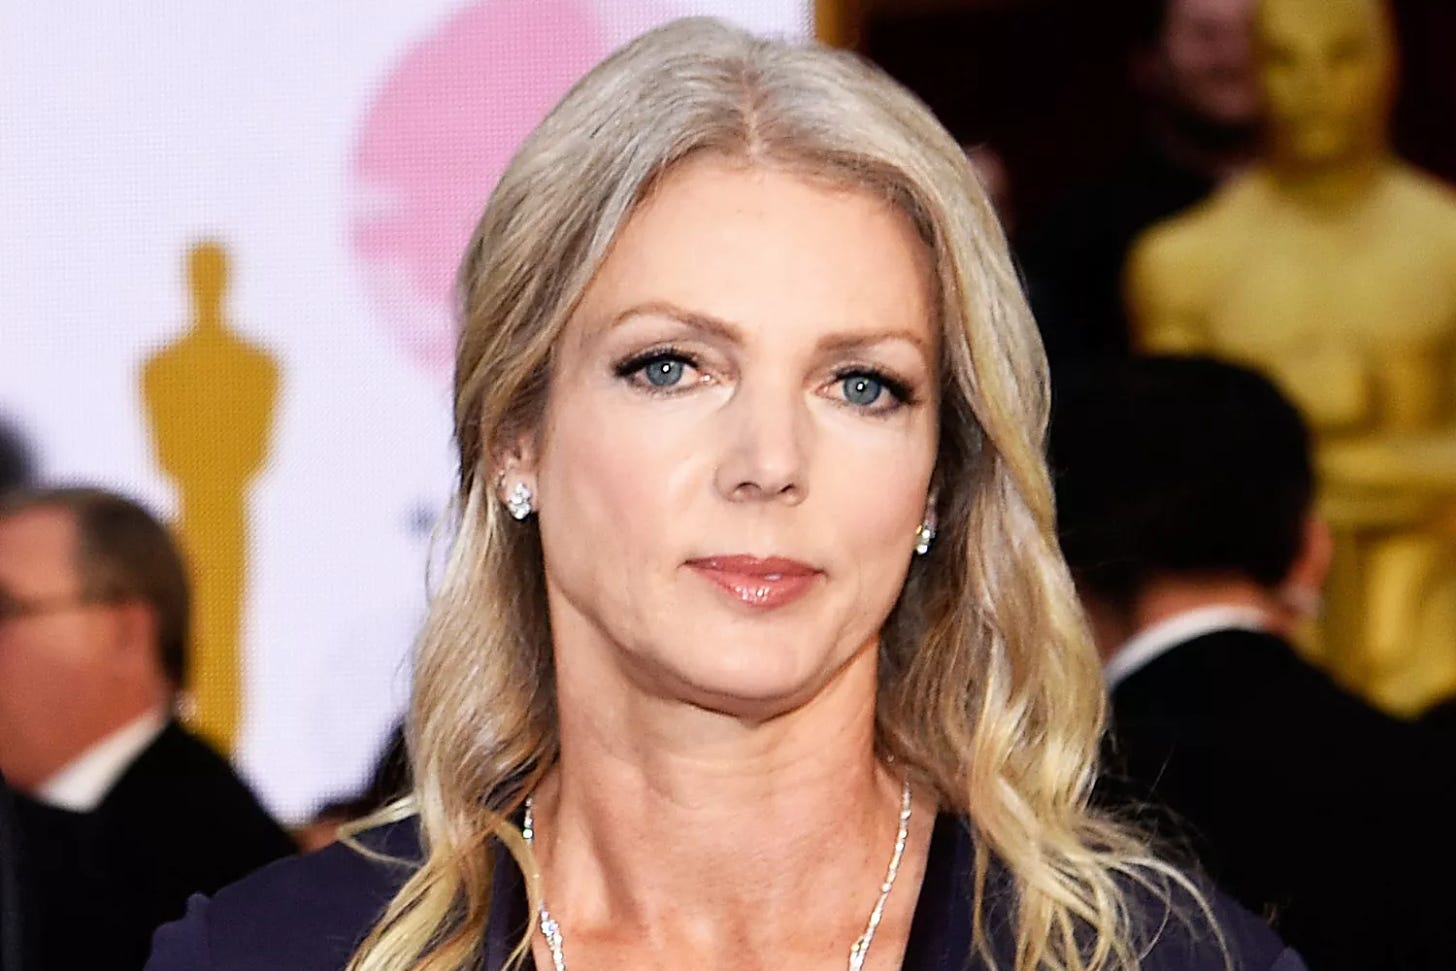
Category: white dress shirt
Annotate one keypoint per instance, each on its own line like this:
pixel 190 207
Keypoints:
pixel 1156 640
pixel 84 782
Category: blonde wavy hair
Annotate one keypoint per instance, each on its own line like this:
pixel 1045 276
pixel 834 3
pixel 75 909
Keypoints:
pixel 989 691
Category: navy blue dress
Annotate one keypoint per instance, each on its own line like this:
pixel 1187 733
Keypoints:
pixel 309 913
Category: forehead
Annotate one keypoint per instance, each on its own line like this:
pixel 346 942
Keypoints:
pixel 1210 11
pixel 37 547
pixel 760 245
pixel 1281 19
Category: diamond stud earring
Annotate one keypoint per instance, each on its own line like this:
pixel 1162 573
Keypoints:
pixel 924 536
pixel 518 501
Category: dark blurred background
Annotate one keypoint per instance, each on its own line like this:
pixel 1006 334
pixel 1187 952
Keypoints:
pixel 1049 85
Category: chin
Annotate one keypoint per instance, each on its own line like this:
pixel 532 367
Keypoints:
pixel 1230 110
pixel 758 683
pixel 1322 146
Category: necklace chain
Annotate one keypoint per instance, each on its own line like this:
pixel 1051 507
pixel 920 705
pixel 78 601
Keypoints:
pixel 551 930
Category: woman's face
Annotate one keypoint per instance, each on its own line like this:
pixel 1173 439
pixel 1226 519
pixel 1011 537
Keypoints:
pixel 739 441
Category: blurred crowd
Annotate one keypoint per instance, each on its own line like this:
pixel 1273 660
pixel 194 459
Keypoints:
pixel 1192 458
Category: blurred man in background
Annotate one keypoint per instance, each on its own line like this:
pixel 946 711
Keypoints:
pixel 1185 491
pixel 1194 64
pixel 15 471
pixel 122 814
pixel 10 929
pixel 16 466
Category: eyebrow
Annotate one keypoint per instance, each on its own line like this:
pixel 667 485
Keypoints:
pixel 733 333
pixel 706 323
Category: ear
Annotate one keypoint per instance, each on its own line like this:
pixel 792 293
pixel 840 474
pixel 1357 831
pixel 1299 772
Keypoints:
pixel 514 461
pixel 135 640
pixel 932 518
pixel 1111 628
pixel 1302 586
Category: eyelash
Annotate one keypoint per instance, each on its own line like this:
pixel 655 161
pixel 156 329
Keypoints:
pixel 898 389
pixel 631 368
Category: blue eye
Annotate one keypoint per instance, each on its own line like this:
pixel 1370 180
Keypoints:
pixel 862 389
pixel 872 391
pixel 660 369
pixel 663 372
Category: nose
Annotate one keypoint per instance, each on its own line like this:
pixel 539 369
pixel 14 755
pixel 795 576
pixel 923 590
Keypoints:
pixel 764 441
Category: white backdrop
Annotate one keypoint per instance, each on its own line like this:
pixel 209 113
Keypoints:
pixel 338 149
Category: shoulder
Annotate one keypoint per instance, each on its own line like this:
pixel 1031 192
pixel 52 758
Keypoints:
pixel 199 777
pixel 1175 931
pixel 1171 929
pixel 1221 660
pixel 305 913
pixel 1172 272
pixel 1411 186
pixel 1209 230
pixel 1182 242
pixel 1246 688
pixel 1424 204
pixel 186 794
pixel 176 750
pixel 1263 668
pixel 1225 652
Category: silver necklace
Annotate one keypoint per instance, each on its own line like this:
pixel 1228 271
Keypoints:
pixel 551 930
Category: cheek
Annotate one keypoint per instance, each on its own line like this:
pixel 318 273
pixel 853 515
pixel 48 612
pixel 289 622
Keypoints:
pixel 613 482
pixel 872 483
pixel 1357 98
pixel 34 675
pixel 1279 102
pixel 874 498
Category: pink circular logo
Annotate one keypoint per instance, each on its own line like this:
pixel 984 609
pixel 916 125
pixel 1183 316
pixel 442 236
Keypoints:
pixel 435 140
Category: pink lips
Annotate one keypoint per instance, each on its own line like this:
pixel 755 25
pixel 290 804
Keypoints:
pixel 767 582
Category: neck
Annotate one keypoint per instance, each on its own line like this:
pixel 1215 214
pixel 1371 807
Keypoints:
pixel 1335 188
pixel 761 824
pixel 1164 598
pixel 1215 151
pixel 208 318
pixel 31 778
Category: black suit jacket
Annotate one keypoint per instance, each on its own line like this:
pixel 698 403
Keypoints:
pixel 1438 726
pixel 310 913
pixel 9 886
pixel 179 821
pixel 1301 801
